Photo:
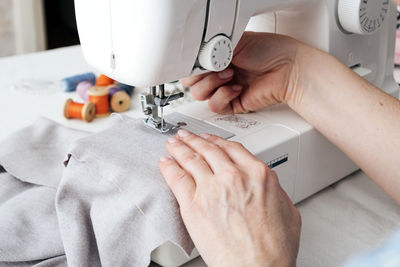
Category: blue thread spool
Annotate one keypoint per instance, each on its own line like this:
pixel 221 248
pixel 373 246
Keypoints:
pixel 69 84
pixel 127 88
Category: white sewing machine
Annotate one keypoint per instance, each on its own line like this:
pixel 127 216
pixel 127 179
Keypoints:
pixel 150 42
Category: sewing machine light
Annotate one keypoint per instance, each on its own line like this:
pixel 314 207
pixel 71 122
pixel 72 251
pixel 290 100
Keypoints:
pixel 216 55
pixel 362 16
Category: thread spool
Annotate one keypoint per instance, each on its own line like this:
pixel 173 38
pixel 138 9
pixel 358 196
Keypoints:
pixel 82 90
pixel 103 80
pixel 69 84
pixel 119 99
pixel 85 112
pixel 127 88
pixel 99 97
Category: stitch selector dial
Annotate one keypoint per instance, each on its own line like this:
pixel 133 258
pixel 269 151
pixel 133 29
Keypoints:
pixel 362 16
pixel 216 55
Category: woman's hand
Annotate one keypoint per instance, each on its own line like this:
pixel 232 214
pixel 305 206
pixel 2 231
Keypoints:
pixel 231 203
pixel 264 71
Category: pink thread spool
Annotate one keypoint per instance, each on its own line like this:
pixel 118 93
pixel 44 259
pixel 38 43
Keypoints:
pixel 82 90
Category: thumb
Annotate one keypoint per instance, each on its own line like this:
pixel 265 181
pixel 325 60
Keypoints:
pixel 220 101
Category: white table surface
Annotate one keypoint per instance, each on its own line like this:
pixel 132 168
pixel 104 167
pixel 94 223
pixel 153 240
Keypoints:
pixel 338 222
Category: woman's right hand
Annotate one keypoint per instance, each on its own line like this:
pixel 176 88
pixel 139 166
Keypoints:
pixel 264 71
pixel 359 118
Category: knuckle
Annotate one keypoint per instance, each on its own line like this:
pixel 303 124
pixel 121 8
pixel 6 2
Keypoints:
pixel 190 138
pixel 200 93
pixel 181 175
pixel 190 158
pixel 210 147
pixel 232 174
pixel 234 145
pixel 262 170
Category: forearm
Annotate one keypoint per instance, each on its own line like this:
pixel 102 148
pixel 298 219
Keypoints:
pixel 360 119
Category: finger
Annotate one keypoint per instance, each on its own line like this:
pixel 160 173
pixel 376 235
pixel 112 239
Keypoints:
pixel 237 105
pixel 220 101
pixel 189 81
pixel 189 160
pixel 215 157
pixel 203 89
pixel 179 181
pixel 236 151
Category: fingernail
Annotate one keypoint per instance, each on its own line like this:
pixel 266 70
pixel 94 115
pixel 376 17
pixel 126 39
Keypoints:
pixel 183 133
pixel 225 74
pixel 237 88
pixel 205 135
pixel 163 159
pixel 172 140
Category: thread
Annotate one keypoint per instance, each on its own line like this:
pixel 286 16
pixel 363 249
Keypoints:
pixel 127 88
pixel 119 99
pixel 82 90
pixel 85 112
pixel 99 97
pixel 103 80
pixel 69 84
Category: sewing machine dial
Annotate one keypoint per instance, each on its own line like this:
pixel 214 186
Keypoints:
pixel 216 55
pixel 362 16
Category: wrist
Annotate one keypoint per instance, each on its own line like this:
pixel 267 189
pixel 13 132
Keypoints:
pixel 310 72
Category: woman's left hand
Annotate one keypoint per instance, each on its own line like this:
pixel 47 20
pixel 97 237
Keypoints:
pixel 231 203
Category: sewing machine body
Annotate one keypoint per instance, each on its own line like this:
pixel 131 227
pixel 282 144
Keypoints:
pixel 174 30
pixel 304 160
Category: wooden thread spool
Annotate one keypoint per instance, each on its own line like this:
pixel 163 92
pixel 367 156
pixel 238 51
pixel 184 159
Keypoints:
pixel 119 100
pixel 103 80
pixel 85 112
pixel 99 97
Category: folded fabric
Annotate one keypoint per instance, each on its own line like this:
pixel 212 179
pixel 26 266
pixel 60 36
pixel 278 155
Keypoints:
pixel 110 206
pixel 28 222
pixel 35 153
pixel 31 163
pixel 113 205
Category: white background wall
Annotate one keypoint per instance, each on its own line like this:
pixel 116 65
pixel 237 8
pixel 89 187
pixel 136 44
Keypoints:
pixel 7 38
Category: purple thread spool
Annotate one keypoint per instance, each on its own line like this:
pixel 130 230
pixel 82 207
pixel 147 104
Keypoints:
pixel 113 90
pixel 82 90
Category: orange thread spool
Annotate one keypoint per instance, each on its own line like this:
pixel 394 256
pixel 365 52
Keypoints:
pixel 103 80
pixel 85 112
pixel 99 97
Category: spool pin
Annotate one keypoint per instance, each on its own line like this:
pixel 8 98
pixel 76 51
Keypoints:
pixel 99 97
pixel 119 99
pixel 85 112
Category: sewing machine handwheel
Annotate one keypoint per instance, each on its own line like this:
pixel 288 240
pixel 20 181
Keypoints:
pixel 362 17
pixel 216 55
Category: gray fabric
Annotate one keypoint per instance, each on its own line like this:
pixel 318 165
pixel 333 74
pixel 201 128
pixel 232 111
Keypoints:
pixel 60 261
pixel 113 201
pixel 42 146
pixel 28 226
pixel 109 206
